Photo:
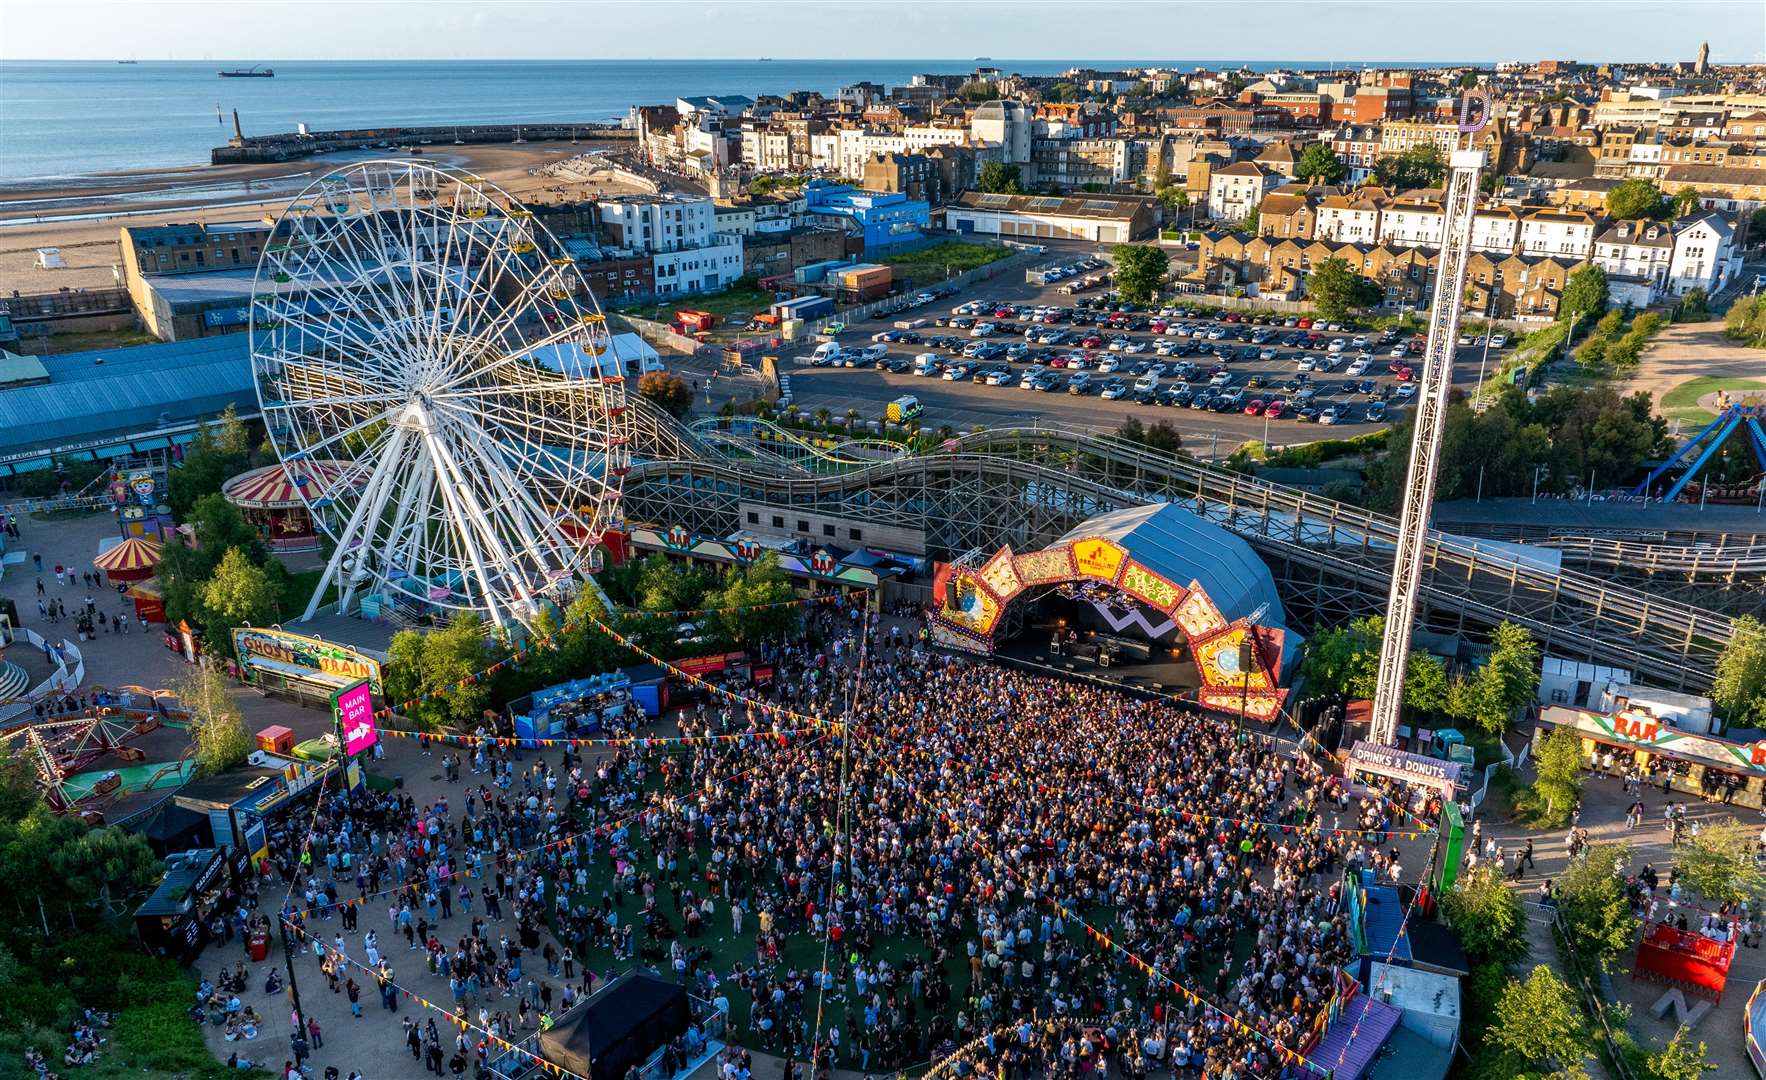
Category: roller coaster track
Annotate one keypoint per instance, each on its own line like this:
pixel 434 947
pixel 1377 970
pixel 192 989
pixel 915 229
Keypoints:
pixel 1027 486
pixel 778 446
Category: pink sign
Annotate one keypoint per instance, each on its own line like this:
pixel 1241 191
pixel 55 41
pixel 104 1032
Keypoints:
pixel 355 715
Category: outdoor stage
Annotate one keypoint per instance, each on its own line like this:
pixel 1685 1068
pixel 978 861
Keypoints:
pixel 1124 660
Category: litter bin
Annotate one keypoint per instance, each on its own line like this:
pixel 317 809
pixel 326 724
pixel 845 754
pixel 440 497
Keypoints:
pixel 258 946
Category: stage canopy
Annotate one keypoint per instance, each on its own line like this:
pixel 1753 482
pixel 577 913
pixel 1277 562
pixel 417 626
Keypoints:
pixel 620 1025
pixel 1175 565
pixel 1179 546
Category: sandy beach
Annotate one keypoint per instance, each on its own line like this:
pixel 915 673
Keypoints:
pixel 83 217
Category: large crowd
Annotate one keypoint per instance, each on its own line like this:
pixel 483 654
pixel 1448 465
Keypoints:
pixel 920 872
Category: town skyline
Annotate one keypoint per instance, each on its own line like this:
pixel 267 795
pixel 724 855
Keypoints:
pixel 787 29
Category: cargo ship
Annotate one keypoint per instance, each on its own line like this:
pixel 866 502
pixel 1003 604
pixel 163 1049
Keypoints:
pixel 252 72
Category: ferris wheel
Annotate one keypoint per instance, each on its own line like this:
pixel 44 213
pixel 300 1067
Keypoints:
pixel 431 348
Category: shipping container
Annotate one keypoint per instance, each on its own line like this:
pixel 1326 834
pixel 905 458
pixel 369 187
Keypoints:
pixel 818 271
pixel 804 307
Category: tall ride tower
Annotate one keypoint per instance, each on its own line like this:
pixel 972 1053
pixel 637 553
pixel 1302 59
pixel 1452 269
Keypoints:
pixel 1465 167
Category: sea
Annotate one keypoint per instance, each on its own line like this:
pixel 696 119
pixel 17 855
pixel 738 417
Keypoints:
pixel 64 120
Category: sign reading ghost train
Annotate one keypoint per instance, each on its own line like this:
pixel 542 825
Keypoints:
pixel 307 668
pixel 968 603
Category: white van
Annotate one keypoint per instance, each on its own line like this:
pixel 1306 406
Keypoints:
pixel 827 350
pixel 926 364
pixel 1146 382
pixel 873 353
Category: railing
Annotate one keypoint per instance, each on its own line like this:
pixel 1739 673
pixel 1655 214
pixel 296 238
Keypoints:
pixel 1593 1001
pixel 63 680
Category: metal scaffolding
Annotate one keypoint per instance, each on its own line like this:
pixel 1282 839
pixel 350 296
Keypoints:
pixel 1029 486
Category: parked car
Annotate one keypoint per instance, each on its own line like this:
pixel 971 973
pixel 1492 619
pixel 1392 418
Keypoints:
pixel 1114 390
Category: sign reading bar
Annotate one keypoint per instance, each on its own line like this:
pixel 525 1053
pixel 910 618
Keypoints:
pixel 354 708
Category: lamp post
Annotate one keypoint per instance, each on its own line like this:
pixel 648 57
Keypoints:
pixel 1246 658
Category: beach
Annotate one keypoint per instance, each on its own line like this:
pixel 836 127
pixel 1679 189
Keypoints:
pixel 83 216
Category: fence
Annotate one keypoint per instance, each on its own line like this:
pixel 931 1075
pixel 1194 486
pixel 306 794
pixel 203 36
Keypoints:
pixel 1594 1000
pixel 659 335
pixel 1512 759
pixel 63 679
pixel 28 307
pixel 889 305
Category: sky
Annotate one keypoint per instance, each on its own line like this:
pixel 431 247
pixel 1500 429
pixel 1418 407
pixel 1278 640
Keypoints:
pixel 1280 30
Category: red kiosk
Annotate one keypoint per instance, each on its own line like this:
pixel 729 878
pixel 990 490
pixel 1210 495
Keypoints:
pixel 1694 963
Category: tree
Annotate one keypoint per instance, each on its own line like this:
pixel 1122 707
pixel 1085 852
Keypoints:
pixel 220 527
pixel 1248 224
pixel 762 185
pixel 441 664
pixel 976 90
pixel 1693 306
pixel 999 178
pixel 1558 773
pixel 1718 863
pixel 1686 201
pixel 1320 164
pixel 668 391
pixel 1172 198
pixel 1592 898
pixel 1422 166
pixel 1636 198
pixel 1334 288
pixel 217 729
pixel 1739 689
pixel 1492 924
pixel 1346 659
pixel 217 453
pixel 1425 684
pixel 1746 321
pixel 1539 1024
pixel 1505 683
pixel 1140 271
pixel 745 615
pixel 1160 435
pixel 1584 294
pixel 240 594
pixel 1678 1060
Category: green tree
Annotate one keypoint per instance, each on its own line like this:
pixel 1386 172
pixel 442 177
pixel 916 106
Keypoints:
pixel 1249 224
pixel 1636 198
pixel 220 527
pixel 1425 684
pixel 1506 682
pixel 1686 201
pixel 1592 898
pixel 1140 271
pixel 668 391
pixel 1487 913
pixel 977 91
pixel 1422 166
pixel 762 185
pixel 744 618
pixel 1468 79
pixel 1693 306
pixel 442 664
pixel 1585 294
pixel 1320 164
pixel 1538 1024
pixel 1719 863
pixel 1746 321
pixel 1346 659
pixel 999 178
pixel 217 728
pixel 217 453
pixel 1173 198
pixel 240 594
pixel 1739 689
pixel 1334 287
pixel 1679 1060
pixel 1557 768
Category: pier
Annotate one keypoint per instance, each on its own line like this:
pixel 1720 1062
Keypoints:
pixel 288 146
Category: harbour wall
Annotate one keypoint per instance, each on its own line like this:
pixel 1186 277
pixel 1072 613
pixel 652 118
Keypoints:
pixel 289 146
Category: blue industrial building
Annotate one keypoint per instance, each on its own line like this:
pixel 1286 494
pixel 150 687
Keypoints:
pixel 883 218
pixel 112 403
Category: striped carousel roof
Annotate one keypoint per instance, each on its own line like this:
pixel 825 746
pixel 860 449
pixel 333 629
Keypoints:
pixel 280 486
pixel 133 555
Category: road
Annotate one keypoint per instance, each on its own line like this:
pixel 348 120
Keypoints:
pixel 965 404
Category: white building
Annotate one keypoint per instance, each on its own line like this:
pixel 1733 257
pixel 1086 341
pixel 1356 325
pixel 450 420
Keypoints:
pixel 700 269
pixel 761 216
pixel 1636 256
pixel 1348 219
pixel 1008 123
pixel 1704 255
pixel 1236 190
pixel 657 223
pixel 1558 233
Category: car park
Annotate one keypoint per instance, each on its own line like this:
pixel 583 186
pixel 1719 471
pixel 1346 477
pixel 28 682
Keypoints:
pixel 1113 390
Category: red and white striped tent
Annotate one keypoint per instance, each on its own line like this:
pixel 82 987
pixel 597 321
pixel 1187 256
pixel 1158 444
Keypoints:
pixel 271 498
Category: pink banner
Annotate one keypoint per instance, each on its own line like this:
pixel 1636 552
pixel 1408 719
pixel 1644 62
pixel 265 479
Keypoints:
pixel 355 716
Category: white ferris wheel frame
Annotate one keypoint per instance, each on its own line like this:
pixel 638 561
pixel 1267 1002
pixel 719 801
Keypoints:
pixel 401 324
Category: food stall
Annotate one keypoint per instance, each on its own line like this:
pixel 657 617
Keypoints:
pixel 1694 763
pixel 173 921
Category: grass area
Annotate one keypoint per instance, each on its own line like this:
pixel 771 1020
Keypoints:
pixel 935 263
pixel 743 297
pixel 1682 402
pixel 97 339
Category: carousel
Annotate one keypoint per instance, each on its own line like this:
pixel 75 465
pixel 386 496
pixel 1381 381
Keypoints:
pixel 129 559
pixel 275 500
